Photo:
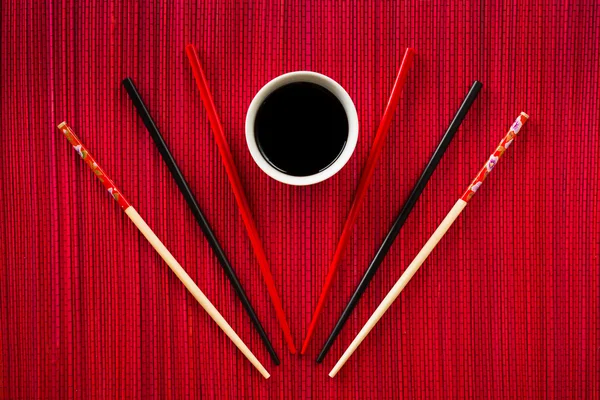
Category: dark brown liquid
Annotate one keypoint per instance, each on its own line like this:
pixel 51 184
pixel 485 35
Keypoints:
pixel 301 128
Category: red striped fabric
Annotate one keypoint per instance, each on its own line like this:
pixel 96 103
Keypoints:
pixel 507 306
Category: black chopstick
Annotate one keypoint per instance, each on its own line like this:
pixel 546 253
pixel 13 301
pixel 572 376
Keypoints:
pixel 406 209
pixel 193 204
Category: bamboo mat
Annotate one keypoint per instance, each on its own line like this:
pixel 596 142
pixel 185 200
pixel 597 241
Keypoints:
pixel 507 306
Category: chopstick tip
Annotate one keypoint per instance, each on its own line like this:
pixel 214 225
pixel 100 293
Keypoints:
pixel 524 114
pixel 305 344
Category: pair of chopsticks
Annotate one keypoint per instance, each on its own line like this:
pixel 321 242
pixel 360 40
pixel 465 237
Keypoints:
pixel 435 238
pixel 160 247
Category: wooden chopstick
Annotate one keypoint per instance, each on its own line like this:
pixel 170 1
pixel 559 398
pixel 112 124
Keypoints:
pixel 404 213
pixel 439 233
pixel 363 185
pixel 238 192
pixel 160 247
pixel 144 114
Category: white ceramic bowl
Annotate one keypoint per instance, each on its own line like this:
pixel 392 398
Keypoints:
pixel 338 91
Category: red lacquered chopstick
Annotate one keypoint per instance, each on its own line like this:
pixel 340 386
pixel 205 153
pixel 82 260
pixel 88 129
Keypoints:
pixel 363 185
pixel 238 191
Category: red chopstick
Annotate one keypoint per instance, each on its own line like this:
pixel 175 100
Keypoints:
pixel 363 185
pixel 238 191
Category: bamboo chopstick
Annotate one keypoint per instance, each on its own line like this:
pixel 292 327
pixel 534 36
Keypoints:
pixel 160 247
pixel 439 233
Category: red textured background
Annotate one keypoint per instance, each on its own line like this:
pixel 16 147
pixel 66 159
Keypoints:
pixel 508 305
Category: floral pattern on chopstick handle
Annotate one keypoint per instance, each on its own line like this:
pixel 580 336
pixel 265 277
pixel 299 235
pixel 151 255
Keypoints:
pixel 493 160
pixel 89 160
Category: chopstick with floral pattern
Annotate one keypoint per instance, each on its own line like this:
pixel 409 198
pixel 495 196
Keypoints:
pixel 159 246
pixel 439 233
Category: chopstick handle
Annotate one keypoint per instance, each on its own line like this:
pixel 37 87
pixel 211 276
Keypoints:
pixel 401 283
pixel 195 209
pixel 493 160
pixel 193 288
pixel 441 230
pixel 91 162
pixel 404 213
